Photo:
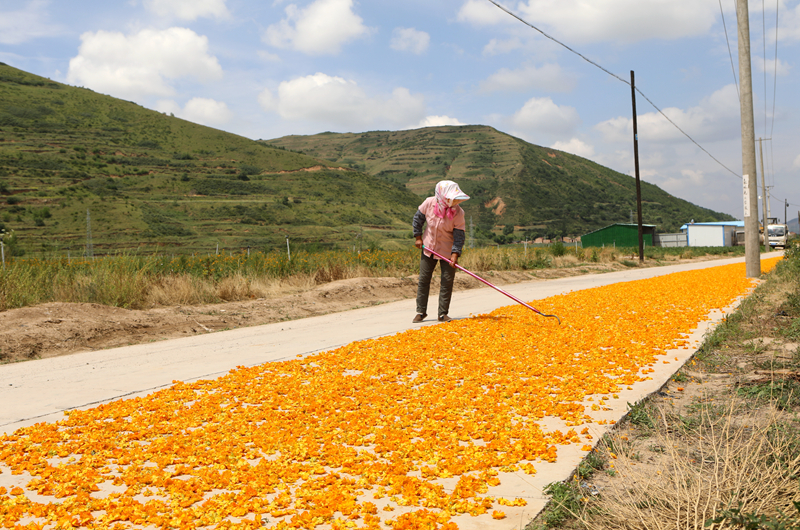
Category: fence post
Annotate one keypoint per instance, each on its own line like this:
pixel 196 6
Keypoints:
pixel 288 252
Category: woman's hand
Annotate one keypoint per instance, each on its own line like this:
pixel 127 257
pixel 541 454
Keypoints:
pixel 418 243
pixel 454 259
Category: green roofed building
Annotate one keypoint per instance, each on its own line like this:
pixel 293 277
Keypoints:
pixel 620 235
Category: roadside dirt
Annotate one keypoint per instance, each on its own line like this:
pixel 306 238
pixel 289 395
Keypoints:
pixel 54 329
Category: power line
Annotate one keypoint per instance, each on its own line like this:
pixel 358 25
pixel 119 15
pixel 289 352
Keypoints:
pixel 775 74
pixel 764 43
pixel 619 79
pixel 727 40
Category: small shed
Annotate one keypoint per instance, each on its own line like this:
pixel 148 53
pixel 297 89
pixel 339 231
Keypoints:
pixel 719 234
pixel 620 235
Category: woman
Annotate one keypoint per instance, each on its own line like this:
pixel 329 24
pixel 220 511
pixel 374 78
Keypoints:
pixel 444 233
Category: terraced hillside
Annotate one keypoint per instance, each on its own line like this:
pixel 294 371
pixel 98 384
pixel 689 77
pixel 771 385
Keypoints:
pixel 536 190
pixel 155 182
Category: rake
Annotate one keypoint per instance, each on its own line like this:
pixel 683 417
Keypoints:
pixel 496 288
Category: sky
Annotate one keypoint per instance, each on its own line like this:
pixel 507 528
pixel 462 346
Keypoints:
pixel 274 68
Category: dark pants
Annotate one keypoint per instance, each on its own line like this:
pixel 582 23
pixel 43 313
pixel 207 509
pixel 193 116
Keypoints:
pixel 426 266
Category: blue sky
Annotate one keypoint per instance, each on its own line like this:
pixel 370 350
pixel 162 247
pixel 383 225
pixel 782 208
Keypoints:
pixel 270 69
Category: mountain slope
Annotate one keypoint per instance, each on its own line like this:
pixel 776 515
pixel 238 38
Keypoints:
pixel 539 190
pixel 156 182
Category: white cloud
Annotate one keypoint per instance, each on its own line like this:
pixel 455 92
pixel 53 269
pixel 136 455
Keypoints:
pixel 550 77
pixel 579 21
pixel 691 180
pixel 796 162
pixel 790 25
pixel 544 116
pixel 622 20
pixel 482 13
pixel 342 103
pixel 188 9
pixel 769 66
pixel 321 28
pixel 207 111
pixel 576 147
pixel 716 118
pixel 410 40
pixel 269 57
pixel 27 23
pixel 437 121
pixel 130 66
pixel 497 47
pixel 204 111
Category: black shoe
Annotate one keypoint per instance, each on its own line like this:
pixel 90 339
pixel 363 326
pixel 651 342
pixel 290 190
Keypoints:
pixel 444 318
pixel 419 318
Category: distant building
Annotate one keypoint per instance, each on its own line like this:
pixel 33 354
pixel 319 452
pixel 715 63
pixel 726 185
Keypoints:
pixel 715 234
pixel 619 235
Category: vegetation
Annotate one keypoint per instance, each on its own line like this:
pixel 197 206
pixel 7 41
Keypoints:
pixel 74 163
pixel 151 182
pixel 140 280
pixel 519 190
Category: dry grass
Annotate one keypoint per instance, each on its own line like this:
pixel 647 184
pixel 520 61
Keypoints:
pixel 731 458
pixel 568 260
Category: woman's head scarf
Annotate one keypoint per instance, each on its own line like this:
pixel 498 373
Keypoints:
pixel 448 195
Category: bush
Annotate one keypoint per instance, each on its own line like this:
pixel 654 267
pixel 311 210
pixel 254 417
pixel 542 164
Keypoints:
pixel 558 249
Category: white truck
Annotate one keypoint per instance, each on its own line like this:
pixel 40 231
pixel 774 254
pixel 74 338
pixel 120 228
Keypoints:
pixel 778 234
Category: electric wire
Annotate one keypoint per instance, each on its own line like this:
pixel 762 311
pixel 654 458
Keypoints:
pixel 620 79
pixel 775 74
pixel 764 45
pixel 730 54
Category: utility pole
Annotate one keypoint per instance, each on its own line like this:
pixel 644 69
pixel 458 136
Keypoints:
pixel 636 169
pixel 751 245
pixel 471 233
pixel 764 198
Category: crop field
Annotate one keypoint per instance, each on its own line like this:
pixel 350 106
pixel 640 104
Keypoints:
pixel 406 431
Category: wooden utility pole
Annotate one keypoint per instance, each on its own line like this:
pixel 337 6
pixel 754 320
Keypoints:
pixel 751 245
pixel 636 170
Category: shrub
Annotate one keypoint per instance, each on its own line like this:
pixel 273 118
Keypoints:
pixel 558 249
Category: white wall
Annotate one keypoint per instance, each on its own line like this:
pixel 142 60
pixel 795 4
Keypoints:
pixel 707 236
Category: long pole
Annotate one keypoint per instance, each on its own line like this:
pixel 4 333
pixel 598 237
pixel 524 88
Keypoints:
pixel 751 246
pixel 764 198
pixel 496 288
pixel 636 169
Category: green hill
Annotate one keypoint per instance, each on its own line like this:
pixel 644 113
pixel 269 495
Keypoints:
pixel 156 182
pixel 540 191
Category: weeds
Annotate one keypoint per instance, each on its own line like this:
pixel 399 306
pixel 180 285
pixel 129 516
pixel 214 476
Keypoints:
pixel 784 394
pixel 565 502
pixel 639 415
pixel 737 458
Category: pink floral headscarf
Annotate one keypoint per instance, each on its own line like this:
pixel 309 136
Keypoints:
pixel 448 195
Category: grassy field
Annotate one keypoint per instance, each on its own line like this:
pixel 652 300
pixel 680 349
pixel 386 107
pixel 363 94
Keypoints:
pixel 137 280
